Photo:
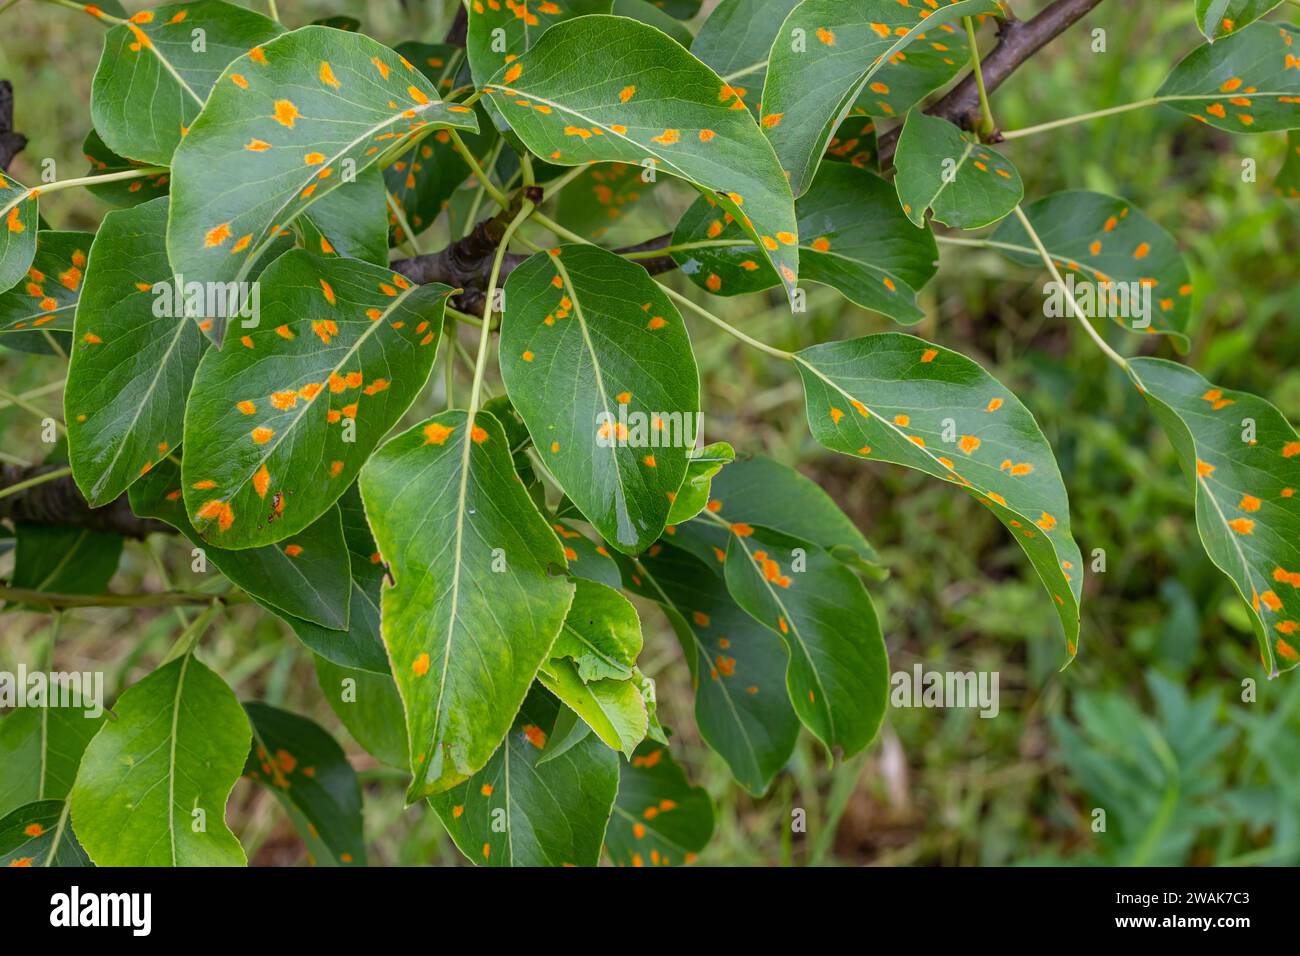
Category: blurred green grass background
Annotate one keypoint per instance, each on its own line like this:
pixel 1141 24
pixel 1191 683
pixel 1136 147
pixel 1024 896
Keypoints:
pixel 1148 723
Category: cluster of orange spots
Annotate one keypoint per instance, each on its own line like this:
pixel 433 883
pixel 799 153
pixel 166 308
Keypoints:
pixel 1215 397
pixel 293 550
pixel 1249 503
pixel 1242 525
pixel 325 329
pixel 1291 449
pixel 284 400
pixel 14 220
pixel 902 420
pixel 1285 649
pixel 420 666
pixel 246 341
pixel 889 284
pixel 239 81
pixel 247 407
pixel 740 529
pixel 667 137
pixel 1016 469
pixel 968 443
pixel 771 570
pixel 261 435
pixel 1046 522
pixel 218 510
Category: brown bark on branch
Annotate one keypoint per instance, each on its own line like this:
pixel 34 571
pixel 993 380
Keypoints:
pixel 59 502
pixel 11 143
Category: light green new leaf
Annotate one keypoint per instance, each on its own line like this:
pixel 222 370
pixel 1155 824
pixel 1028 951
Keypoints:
pixel 1248 82
pixel 64 559
pixel 475 606
pixel 46 300
pixel 1107 248
pixel 737 665
pixel 1221 18
pixel 285 125
pixel 592 665
pixel 838 674
pixel 305 576
pixel 1243 459
pixel 280 421
pixel 40 749
pixel 601 634
pixel 653 105
pixel 131 369
pixel 19 222
pixel 369 706
pixel 518 811
pixel 701 467
pixel 38 834
pixel 852 236
pixel 152 81
pixel 167 761
pixel 964 184
pixel 598 363
pixel 892 397
pixel 659 818
pixel 126 192
pixel 1288 177
pixel 311 777
pixel 826 53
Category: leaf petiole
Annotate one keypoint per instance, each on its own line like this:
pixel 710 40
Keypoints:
pixel 727 327
pixel 1069 296
pixel 986 114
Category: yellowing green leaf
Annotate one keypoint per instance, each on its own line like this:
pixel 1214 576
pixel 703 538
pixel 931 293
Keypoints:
pixel 167 761
pixel 475 606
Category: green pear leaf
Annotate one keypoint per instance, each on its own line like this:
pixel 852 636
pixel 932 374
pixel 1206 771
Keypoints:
pixel 597 361
pixel 168 760
pixel 475 606
pixel 892 397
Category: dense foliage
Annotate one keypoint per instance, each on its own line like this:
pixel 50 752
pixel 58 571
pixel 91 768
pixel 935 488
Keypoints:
pixel 247 332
